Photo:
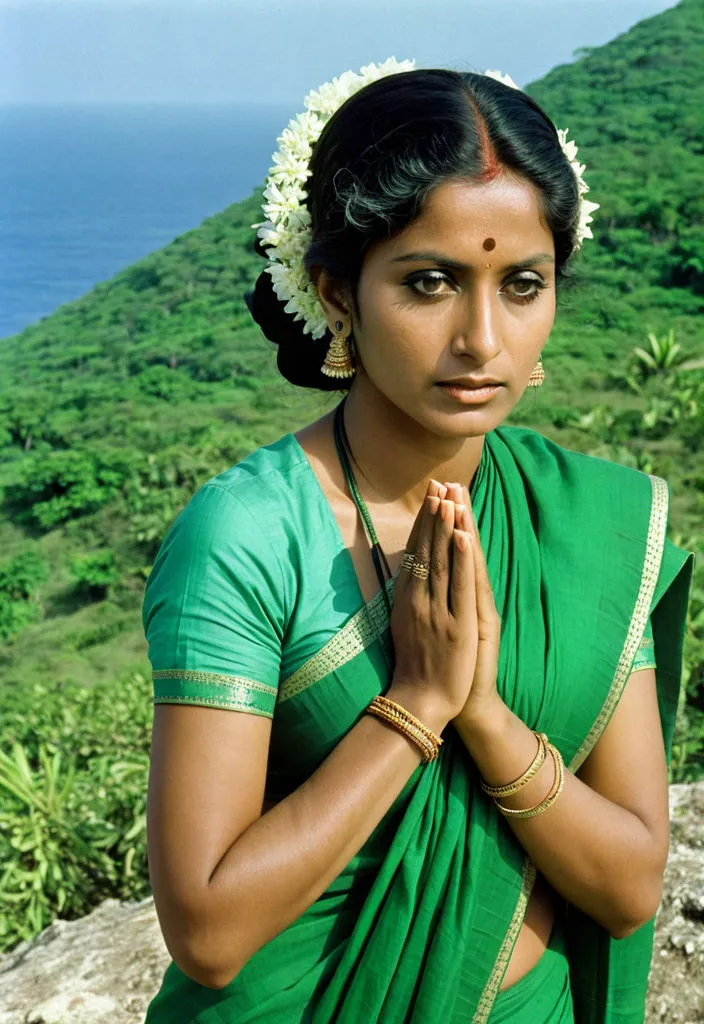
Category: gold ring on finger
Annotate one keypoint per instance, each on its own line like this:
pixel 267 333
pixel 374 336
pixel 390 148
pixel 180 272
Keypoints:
pixel 421 570
pixel 408 561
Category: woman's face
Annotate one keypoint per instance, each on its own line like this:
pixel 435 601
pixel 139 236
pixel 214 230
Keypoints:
pixel 468 289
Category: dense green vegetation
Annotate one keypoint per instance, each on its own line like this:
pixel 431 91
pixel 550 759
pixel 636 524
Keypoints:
pixel 115 408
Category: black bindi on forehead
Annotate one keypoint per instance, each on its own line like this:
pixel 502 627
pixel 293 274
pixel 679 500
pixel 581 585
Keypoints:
pixel 489 244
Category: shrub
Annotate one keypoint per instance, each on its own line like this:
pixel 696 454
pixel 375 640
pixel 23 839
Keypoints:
pixel 53 488
pixel 73 783
pixel 96 573
pixel 20 578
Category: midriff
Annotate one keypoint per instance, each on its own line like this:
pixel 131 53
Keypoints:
pixel 535 933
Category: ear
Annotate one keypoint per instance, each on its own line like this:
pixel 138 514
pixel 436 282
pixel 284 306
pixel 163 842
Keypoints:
pixel 334 297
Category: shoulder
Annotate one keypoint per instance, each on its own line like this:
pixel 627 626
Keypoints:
pixel 234 528
pixel 573 472
pixel 250 501
pixel 263 466
pixel 266 476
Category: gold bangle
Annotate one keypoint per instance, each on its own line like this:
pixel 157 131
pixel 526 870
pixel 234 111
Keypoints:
pixel 511 788
pixel 395 714
pixel 406 725
pixel 386 702
pixel 426 748
pixel 532 812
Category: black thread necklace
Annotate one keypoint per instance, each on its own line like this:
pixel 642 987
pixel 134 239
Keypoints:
pixel 345 455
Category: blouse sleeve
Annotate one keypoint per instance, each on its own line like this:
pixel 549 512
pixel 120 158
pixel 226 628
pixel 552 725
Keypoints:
pixel 213 610
pixel 645 655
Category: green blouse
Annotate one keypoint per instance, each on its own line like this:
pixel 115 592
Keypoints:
pixel 252 580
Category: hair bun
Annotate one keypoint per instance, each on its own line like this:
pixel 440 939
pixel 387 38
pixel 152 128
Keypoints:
pixel 299 356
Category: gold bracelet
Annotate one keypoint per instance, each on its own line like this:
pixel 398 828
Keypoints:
pixel 398 716
pixel 532 812
pixel 399 708
pixel 511 788
pixel 405 723
pixel 422 742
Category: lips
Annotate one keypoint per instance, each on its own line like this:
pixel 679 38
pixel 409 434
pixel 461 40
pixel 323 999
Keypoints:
pixel 470 395
pixel 470 384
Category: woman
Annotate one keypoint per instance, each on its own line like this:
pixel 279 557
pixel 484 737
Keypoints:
pixel 437 659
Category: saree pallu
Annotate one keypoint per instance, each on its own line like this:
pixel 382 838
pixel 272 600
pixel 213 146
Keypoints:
pixel 253 605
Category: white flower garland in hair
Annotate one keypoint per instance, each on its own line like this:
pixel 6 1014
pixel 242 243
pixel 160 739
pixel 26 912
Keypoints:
pixel 286 233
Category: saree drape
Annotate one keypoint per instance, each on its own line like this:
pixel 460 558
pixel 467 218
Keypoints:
pixel 253 605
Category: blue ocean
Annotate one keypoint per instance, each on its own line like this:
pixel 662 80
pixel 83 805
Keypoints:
pixel 85 190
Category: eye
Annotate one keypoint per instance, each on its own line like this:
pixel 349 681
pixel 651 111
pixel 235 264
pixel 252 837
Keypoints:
pixel 427 277
pixel 526 288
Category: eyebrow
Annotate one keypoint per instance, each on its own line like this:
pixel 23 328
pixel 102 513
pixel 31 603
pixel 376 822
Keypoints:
pixel 444 261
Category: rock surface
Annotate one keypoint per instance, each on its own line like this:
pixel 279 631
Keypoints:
pixel 105 968
pixel 676 990
pixel 101 969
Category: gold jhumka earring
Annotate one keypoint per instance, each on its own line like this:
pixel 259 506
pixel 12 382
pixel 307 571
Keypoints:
pixel 538 375
pixel 338 361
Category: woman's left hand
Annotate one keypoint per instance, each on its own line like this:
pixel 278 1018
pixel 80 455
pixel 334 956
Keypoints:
pixel 483 697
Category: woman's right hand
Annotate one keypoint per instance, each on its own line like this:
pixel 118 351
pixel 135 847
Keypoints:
pixel 434 621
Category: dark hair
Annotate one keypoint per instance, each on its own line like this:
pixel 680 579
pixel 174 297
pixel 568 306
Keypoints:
pixel 375 163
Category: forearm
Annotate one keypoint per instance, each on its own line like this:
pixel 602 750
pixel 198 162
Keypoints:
pixel 598 855
pixel 288 857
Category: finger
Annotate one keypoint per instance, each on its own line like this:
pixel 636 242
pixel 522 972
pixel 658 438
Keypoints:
pixel 460 496
pixel 440 553
pixel 463 598
pixel 469 523
pixel 424 539
pixel 454 492
pixel 487 615
pixel 465 521
pixel 423 522
pixel 433 489
pixel 488 625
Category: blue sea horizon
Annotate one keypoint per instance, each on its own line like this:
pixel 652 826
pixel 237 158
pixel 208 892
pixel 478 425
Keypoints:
pixel 88 189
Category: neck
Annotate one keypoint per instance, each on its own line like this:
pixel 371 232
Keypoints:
pixel 397 456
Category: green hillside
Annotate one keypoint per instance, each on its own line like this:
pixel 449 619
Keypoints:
pixel 115 408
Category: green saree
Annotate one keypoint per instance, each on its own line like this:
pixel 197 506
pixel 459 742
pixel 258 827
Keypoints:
pixel 253 605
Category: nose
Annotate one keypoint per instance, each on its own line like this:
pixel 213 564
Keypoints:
pixel 477 329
